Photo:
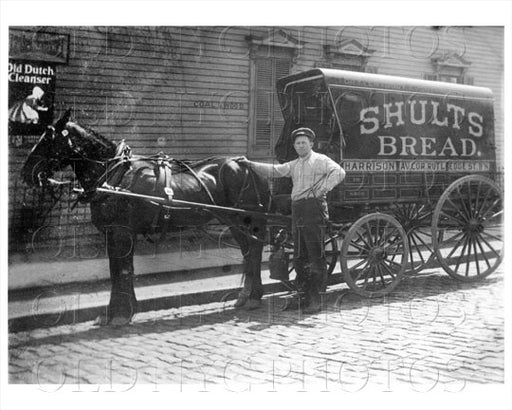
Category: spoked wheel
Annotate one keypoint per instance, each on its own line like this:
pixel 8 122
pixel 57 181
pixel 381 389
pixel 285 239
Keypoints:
pixel 415 218
pixel 331 250
pixel 374 255
pixel 469 218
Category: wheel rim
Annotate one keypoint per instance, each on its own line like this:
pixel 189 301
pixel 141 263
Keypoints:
pixel 416 221
pixel 469 216
pixel 331 254
pixel 374 255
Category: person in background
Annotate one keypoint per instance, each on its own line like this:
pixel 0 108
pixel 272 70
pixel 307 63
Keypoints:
pixel 313 176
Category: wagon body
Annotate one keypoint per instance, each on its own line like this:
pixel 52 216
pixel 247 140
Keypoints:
pixel 399 139
pixel 420 155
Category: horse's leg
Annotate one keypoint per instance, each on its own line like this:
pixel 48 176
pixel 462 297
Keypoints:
pixel 123 303
pixel 252 291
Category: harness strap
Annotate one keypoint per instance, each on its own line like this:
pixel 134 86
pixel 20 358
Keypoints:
pixel 194 173
pixel 258 194
pixel 238 201
pixel 246 184
pixel 162 169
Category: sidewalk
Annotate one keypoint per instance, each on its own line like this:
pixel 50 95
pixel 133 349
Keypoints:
pixel 51 292
pixel 46 272
pixel 55 292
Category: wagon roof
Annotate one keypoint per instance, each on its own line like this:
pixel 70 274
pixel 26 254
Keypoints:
pixel 333 77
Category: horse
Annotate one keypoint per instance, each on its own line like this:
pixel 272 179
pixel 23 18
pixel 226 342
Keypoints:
pixel 97 161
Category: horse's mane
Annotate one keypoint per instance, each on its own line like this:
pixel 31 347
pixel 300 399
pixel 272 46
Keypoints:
pixel 93 138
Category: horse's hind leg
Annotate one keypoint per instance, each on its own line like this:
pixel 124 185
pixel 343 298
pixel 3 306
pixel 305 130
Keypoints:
pixel 123 303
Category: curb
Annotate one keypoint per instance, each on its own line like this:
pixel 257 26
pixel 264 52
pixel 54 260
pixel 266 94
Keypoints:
pixel 165 294
pixel 67 316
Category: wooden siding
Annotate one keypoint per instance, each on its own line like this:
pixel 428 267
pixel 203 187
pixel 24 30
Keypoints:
pixel 143 83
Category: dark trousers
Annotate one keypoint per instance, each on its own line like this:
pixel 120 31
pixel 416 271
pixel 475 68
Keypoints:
pixel 309 218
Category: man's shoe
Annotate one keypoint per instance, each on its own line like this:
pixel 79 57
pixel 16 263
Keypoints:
pixel 314 306
pixel 295 303
pixel 253 304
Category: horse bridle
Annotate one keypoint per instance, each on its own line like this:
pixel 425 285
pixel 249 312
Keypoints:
pixel 72 146
pixel 76 155
pixel 55 162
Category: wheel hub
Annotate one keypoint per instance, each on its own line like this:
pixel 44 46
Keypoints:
pixel 474 225
pixel 376 255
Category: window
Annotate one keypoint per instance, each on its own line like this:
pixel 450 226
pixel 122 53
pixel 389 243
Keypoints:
pixel 267 120
pixel 271 59
pixel 450 68
pixel 348 54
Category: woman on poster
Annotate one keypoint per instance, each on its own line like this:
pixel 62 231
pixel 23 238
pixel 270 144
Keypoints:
pixel 27 111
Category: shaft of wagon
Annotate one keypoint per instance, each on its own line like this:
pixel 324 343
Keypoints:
pixel 180 203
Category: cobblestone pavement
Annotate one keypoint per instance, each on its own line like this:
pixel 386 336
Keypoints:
pixel 431 334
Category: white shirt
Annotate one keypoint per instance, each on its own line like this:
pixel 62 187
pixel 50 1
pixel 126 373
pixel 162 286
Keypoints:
pixel 313 176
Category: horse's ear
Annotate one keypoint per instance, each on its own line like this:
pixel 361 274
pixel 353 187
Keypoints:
pixel 61 123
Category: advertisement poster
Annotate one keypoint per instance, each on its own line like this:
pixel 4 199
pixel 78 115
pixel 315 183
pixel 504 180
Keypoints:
pixel 33 56
pixel 31 95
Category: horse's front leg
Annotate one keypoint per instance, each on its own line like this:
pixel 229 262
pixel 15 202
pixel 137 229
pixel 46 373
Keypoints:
pixel 252 291
pixel 123 303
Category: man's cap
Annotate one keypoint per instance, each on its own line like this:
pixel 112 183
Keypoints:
pixel 303 132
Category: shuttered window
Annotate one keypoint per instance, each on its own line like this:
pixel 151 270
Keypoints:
pixel 267 120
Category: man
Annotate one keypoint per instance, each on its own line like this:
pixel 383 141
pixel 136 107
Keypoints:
pixel 313 176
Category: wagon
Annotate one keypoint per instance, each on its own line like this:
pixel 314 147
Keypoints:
pixel 421 177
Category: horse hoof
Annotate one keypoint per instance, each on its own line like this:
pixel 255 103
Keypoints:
pixel 240 302
pixel 252 304
pixel 120 321
pixel 101 320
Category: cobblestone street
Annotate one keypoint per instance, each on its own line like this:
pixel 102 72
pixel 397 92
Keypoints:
pixel 431 334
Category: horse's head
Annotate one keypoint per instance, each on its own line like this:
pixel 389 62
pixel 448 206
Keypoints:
pixel 61 145
pixel 49 154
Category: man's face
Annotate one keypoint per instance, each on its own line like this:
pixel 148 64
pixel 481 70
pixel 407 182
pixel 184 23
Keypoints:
pixel 303 145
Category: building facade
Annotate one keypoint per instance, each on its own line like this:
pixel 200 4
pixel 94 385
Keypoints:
pixel 194 92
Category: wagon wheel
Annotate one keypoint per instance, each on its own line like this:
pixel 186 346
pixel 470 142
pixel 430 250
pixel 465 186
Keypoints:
pixel 331 250
pixel 374 255
pixel 469 218
pixel 415 218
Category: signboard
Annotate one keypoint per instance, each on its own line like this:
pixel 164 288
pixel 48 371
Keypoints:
pixel 403 131
pixel 404 165
pixel 31 96
pixel 392 124
pixel 38 46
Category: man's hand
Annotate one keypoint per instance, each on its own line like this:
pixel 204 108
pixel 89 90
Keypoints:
pixel 321 192
pixel 242 160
